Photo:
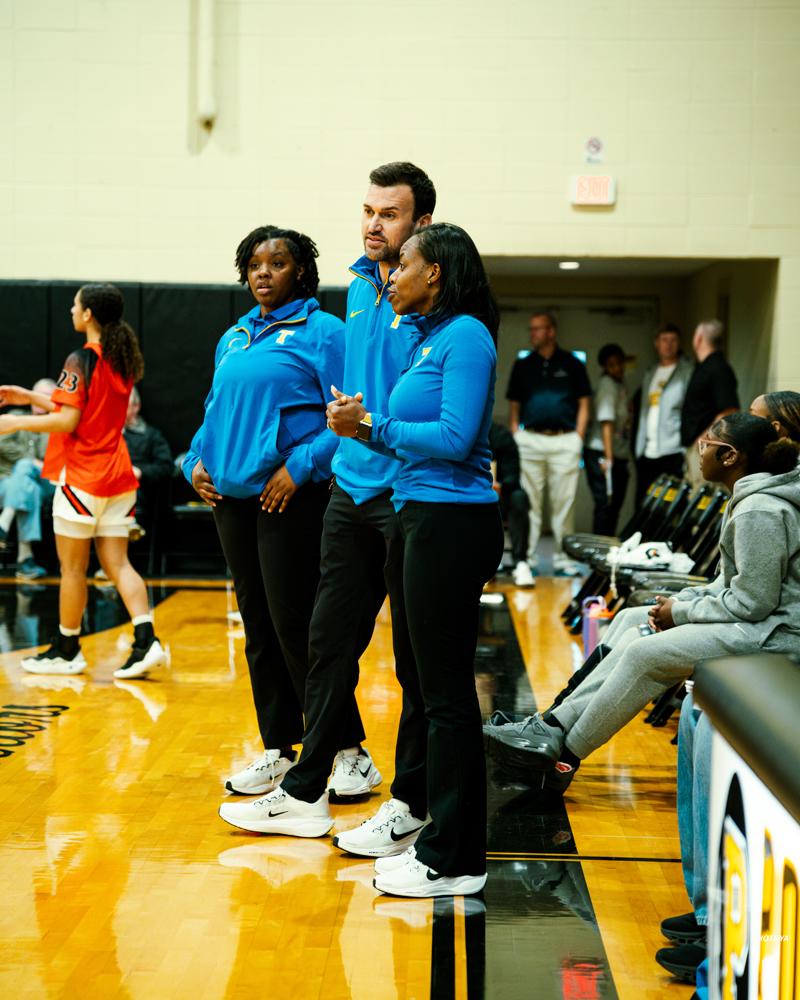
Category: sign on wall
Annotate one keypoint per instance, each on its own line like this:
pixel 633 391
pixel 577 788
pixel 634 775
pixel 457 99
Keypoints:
pixel 593 189
pixel 594 149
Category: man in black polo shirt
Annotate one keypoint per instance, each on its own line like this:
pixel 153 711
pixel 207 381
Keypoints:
pixel 550 401
pixel 710 395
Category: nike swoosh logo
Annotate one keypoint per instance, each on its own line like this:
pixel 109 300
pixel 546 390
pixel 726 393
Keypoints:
pixel 283 813
pixel 364 773
pixel 432 876
pixel 352 314
pixel 403 835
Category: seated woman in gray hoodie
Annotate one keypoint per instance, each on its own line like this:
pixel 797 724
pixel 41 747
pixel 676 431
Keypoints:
pixel 754 603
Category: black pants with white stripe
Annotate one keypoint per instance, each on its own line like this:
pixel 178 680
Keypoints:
pixel 274 562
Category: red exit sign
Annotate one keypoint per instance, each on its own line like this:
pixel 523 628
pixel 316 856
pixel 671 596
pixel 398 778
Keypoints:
pixel 593 189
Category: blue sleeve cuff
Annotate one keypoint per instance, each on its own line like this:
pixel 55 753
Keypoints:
pixel 297 466
pixel 189 462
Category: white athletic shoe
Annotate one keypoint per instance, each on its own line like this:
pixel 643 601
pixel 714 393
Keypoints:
pixel 395 861
pixel 523 576
pixel 142 661
pixel 52 662
pixel 353 774
pixel 262 775
pixel 416 880
pixel 280 812
pixel 392 830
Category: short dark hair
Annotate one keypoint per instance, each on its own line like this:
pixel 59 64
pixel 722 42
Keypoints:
pixel 464 286
pixel 669 328
pixel 758 439
pixel 392 174
pixel 609 351
pixel 552 321
pixel 302 248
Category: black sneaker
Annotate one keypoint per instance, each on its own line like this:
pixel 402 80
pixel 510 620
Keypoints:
pixel 682 961
pixel 683 929
pixel 30 570
pixel 53 661
pixel 142 661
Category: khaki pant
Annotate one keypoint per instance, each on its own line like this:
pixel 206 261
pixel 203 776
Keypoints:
pixel 556 460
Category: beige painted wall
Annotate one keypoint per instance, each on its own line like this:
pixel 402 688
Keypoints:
pixel 104 172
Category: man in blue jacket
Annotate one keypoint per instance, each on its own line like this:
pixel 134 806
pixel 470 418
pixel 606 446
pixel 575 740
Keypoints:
pixel 362 553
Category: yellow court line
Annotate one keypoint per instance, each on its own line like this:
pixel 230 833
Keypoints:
pixel 460 947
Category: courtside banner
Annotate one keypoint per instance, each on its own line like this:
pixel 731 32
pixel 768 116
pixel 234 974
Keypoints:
pixel 754 860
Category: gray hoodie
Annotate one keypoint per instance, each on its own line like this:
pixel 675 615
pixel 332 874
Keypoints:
pixel 758 587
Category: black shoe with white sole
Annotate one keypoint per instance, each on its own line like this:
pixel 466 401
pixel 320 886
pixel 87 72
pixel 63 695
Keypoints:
pixel 682 961
pixel 55 661
pixel 142 661
pixel 683 929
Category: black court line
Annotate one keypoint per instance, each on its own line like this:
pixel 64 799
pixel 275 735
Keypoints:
pixel 515 949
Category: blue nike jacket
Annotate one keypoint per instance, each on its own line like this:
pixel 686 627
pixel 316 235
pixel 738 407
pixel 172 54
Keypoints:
pixel 272 379
pixel 439 414
pixel 378 346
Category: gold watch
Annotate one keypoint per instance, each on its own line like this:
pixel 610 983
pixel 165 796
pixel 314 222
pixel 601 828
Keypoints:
pixel 364 430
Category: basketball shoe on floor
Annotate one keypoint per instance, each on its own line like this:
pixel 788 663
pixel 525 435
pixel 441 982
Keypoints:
pixel 142 661
pixel 416 879
pixel 279 812
pixel 353 774
pixel 395 861
pixel 262 775
pixel 53 661
pixel 392 830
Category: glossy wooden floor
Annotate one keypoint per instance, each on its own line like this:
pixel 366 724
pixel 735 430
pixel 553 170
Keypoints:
pixel 120 881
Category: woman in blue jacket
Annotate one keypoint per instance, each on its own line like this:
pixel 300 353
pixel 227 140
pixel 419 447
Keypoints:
pixel 262 458
pixel 438 422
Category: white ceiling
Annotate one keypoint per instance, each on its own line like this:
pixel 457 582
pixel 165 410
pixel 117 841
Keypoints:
pixel 592 267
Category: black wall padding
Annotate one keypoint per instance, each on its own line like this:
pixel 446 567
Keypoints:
pixel 178 328
pixel 23 333
pixel 181 326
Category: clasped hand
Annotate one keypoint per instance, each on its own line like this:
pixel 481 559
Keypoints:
pixel 661 614
pixel 345 413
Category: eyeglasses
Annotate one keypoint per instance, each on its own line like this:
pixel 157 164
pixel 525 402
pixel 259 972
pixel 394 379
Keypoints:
pixel 703 444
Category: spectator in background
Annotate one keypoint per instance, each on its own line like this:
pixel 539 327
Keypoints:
pixel 658 437
pixel 22 489
pixel 150 456
pixel 710 395
pixel 782 409
pixel 609 448
pixel 513 499
pixel 550 401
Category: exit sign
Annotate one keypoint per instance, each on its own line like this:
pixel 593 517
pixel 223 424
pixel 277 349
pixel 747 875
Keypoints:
pixel 592 189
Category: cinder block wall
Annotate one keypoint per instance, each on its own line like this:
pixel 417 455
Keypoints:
pixel 105 172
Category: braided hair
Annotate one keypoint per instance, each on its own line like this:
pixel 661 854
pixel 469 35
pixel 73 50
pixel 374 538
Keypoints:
pixel 756 438
pixel 301 247
pixel 785 408
pixel 117 340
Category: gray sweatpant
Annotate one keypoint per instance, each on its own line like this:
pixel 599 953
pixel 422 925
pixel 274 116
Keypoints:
pixel 637 670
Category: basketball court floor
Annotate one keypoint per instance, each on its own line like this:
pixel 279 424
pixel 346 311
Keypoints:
pixel 119 880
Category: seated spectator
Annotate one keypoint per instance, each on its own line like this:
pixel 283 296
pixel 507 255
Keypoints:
pixel 658 436
pixel 22 489
pixel 606 454
pixel 688 930
pixel 753 604
pixel 782 409
pixel 151 459
pixel 513 499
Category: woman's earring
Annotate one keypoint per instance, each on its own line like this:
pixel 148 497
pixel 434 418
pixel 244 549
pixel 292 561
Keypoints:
pixel 429 280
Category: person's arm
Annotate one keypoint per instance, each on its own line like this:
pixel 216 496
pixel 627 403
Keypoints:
pixel 514 409
pixel 63 421
pixel 608 441
pixel 754 592
pixel 584 409
pixel 15 395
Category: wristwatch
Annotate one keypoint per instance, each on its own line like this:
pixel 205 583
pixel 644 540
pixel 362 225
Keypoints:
pixel 364 430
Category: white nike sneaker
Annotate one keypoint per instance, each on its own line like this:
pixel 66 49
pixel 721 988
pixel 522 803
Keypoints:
pixel 523 576
pixel 416 880
pixel 392 830
pixel 353 774
pixel 262 775
pixel 280 812
pixel 142 661
pixel 395 861
pixel 52 662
